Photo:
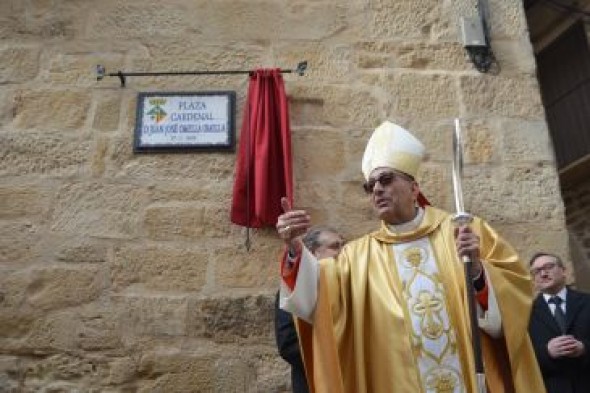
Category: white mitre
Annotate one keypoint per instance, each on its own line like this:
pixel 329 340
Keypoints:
pixel 394 147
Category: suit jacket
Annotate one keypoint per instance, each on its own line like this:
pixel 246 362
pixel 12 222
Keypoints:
pixel 563 375
pixel 288 344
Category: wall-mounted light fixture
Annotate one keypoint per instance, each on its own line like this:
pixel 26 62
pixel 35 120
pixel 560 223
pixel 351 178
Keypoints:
pixel 476 39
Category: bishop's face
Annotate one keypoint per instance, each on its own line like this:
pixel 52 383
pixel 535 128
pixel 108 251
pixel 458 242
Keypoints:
pixel 393 195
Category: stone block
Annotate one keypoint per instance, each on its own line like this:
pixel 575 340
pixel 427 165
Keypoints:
pixel 407 20
pixel 29 295
pixel 515 56
pixel 525 141
pixel 6 106
pixel 20 243
pixel 12 16
pixel 435 134
pixel 21 201
pixel 135 19
pixel 180 372
pixel 320 154
pixel 436 184
pixel 176 372
pixel 306 111
pixel 106 115
pixel 423 95
pixel 355 141
pixel 64 110
pixel 235 267
pixel 373 61
pixel 272 372
pixel 49 20
pixel 99 157
pixel 96 209
pixel 56 287
pixel 15 317
pixel 81 251
pixel 63 367
pixel 327 62
pixel 77 67
pixel 88 329
pixel 186 222
pixel 226 19
pixel 99 330
pixel 169 168
pixel 122 370
pixel 310 194
pixel 507 20
pixel 18 64
pixel 448 56
pixel 42 154
pixel 212 192
pixel 234 374
pixel 481 142
pixel 497 96
pixel 7 384
pixel 9 364
pixel 510 187
pixel 232 319
pixel 48 333
pixel 63 373
pixel 530 238
pixel 53 386
pixel 159 268
pixel 341 107
pixel 151 315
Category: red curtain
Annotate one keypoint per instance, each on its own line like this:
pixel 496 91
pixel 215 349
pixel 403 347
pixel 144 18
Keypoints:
pixel 263 166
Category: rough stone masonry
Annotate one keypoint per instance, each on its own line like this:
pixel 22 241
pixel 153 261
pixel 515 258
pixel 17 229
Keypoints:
pixel 122 273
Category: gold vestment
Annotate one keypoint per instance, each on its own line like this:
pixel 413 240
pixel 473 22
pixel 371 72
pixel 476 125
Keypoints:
pixel 360 340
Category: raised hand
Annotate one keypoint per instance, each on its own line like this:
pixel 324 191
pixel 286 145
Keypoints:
pixel 292 223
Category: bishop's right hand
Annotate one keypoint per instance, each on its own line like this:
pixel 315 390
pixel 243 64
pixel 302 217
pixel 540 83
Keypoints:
pixel 292 224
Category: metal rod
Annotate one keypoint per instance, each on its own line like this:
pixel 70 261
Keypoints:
pixel 101 72
pixel 461 218
pixel 475 339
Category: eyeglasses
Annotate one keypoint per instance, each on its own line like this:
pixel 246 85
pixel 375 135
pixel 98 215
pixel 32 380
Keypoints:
pixel 545 268
pixel 384 179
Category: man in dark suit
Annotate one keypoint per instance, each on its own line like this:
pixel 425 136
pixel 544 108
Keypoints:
pixel 322 242
pixel 560 328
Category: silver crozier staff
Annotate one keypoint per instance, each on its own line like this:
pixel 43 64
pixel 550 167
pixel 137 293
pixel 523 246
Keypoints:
pixel 463 218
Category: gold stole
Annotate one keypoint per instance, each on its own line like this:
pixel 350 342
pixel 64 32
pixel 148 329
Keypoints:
pixel 426 308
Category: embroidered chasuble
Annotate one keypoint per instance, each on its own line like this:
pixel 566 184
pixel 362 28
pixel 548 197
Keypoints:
pixel 391 315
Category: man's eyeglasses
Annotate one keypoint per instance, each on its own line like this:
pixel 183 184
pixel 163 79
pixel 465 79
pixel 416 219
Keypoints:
pixel 545 268
pixel 384 179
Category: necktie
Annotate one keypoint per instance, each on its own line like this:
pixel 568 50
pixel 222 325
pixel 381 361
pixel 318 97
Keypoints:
pixel 558 314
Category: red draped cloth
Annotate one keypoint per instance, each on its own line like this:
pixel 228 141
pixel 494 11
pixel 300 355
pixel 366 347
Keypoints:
pixel 263 167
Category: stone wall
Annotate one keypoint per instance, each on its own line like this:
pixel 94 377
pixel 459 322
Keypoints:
pixel 121 272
